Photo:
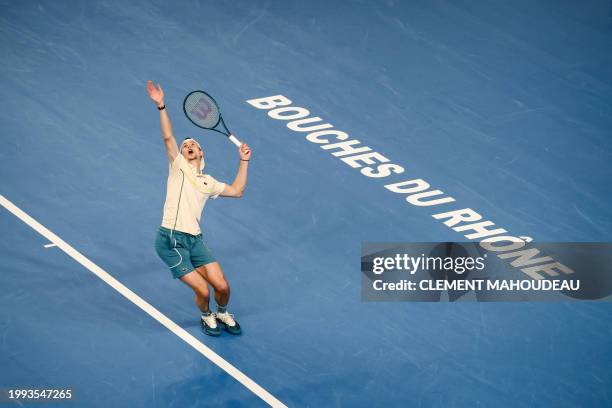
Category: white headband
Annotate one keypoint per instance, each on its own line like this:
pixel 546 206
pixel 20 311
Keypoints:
pixel 202 164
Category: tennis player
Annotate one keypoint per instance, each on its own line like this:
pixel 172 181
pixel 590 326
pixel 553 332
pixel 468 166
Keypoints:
pixel 179 240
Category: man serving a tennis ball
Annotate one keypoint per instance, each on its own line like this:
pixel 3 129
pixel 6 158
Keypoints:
pixel 179 239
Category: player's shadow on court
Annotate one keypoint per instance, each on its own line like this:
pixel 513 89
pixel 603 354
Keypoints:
pixel 188 322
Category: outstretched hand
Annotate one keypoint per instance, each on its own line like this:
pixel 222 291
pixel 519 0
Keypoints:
pixel 245 152
pixel 155 93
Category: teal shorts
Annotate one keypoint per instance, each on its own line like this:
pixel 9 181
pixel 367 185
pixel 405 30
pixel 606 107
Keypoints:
pixel 182 252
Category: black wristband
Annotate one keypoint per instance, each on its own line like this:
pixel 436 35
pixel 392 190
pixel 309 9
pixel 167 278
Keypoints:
pixel 161 107
pixel 244 160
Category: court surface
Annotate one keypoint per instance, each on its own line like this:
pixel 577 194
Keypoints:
pixel 507 106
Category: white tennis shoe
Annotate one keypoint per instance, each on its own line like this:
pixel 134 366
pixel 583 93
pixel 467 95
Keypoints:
pixel 228 321
pixel 209 325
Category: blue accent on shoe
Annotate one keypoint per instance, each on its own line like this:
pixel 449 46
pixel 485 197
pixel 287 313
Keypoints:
pixel 215 332
pixel 235 330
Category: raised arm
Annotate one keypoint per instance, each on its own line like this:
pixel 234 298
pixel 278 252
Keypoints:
pixel 237 187
pixel 157 95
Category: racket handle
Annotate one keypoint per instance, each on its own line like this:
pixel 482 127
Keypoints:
pixel 235 141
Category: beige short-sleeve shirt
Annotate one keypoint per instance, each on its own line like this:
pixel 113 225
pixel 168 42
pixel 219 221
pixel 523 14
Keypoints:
pixel 186 194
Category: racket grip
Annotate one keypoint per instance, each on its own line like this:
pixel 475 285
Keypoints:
pixel 235 141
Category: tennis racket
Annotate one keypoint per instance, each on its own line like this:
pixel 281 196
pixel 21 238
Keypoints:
pixel 202 110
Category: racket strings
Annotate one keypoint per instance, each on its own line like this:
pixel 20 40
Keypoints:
pixel 202 110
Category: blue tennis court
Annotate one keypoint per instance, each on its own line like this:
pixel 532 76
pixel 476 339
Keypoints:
pixel 505 106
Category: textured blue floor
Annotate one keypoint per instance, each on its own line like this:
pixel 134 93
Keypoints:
pixel 507 106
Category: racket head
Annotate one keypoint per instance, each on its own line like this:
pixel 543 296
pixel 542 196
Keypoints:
pixel 202 110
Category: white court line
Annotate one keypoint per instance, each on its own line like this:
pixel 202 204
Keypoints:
pixel 49 245
pixel 141 303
